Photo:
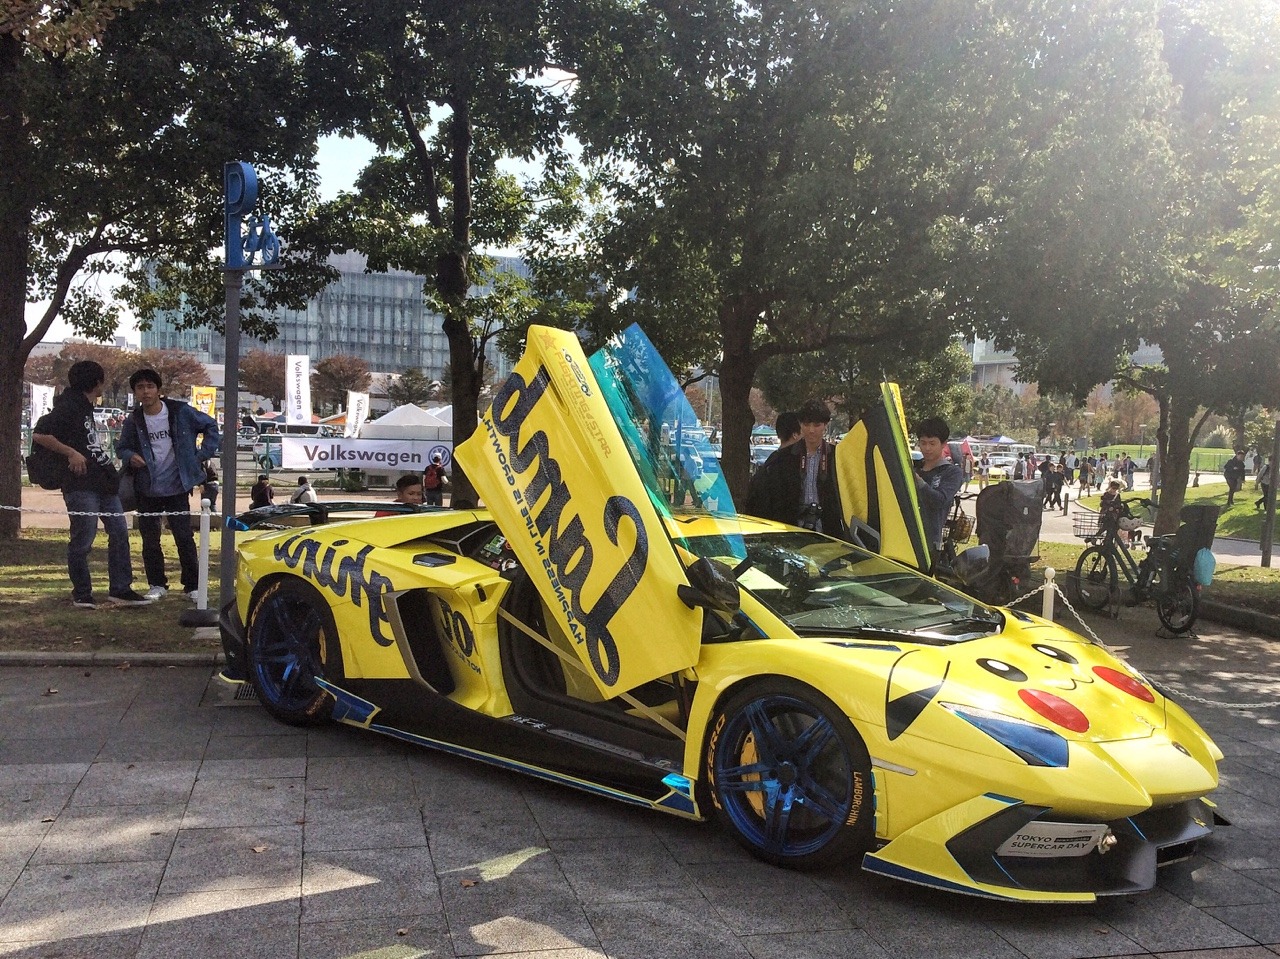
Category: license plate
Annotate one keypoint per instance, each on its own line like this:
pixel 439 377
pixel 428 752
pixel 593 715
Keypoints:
pixel 1053 840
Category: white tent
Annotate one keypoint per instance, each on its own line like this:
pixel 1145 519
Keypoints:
pixel 408 422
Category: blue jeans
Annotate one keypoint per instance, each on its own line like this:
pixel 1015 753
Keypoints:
pixel 84 529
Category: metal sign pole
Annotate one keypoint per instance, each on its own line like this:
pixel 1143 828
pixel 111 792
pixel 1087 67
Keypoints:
pixel 241 197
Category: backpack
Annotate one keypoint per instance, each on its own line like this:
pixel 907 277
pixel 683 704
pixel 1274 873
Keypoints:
pixel 45 468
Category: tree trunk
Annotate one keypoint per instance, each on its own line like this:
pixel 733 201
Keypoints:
pixel 737 375
pixel 15 249
pixel 1175 468
pixel 453 285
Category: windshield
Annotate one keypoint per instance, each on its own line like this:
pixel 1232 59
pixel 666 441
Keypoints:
pixel 819 585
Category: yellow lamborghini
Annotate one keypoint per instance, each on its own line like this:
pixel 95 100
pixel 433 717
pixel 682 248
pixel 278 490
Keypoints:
pixel 610 623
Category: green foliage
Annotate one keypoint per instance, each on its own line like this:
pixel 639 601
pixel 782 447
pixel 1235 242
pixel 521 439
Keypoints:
pixel 935 386
pixel 411 386
pixel 112 142
pixel 1219 439
pixel 1260 431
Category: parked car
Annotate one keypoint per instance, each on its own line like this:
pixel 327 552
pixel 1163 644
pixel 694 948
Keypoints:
pixel 267 451
pixel 761 451
pixel 825 704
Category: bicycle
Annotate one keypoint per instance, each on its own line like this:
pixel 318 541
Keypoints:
pixel 1167 573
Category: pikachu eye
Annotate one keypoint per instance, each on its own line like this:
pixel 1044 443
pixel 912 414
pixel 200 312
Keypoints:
pixel 1003 670
pixel 1054 653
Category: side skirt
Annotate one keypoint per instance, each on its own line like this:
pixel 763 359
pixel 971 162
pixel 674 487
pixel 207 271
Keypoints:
pixel 668 791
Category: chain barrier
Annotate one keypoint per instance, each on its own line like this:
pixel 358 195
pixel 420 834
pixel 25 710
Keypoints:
pixel 64 512
pixel 1166 689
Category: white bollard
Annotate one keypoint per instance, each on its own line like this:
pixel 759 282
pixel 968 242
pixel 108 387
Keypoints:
pixel 202 591
pixel 1046 607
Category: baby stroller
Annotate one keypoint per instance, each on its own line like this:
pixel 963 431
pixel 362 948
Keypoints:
pixel 1009 526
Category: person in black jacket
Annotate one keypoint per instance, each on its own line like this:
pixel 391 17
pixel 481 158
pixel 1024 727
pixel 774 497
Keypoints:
pixel 261 493
pixel 797 484
pixel 91 489
pixel 1234 473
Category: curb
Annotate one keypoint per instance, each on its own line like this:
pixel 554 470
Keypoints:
pixel 68 658
pixel 1261 623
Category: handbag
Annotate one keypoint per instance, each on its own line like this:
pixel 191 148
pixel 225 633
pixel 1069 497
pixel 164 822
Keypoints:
pixel 133 483
pixel 45 468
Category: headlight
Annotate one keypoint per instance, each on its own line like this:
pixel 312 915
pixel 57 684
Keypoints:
pixel 1034 745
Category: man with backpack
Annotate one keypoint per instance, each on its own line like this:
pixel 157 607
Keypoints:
pixel 90 488
pixel 434 479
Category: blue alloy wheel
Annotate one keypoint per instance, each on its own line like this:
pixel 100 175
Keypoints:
pixel 292 642
pixel 790 776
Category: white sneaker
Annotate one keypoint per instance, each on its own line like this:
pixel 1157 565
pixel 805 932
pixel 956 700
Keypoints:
pixel 194 596
pixel 156 592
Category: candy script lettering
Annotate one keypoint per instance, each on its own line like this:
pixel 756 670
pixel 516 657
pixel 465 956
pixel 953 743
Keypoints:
pixel 571 557
pixel 366 586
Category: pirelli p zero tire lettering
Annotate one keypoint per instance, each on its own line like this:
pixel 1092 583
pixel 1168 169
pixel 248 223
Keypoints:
pixel 789 775
pixel 292 642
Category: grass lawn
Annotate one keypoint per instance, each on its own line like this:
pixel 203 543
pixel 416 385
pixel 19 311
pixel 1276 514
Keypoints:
pixel 1241 521
pixel 35 600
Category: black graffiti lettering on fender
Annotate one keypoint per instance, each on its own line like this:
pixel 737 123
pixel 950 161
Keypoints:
pixel 365 586
pixel 571 557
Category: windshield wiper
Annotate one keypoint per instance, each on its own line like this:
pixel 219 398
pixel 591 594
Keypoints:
pixel 881 632
pixel 982 622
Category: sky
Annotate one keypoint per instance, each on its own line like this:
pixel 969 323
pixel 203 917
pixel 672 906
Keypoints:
pixel 339 161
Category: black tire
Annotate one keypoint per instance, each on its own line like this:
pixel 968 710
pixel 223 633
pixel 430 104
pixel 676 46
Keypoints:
pixel 1095 577
pixel 1179 605
pixel 291 642
pixel 809 802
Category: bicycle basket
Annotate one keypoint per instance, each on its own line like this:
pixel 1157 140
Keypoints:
pixel 959 528
pixel 1085 525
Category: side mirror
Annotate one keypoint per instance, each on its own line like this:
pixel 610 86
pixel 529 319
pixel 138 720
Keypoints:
pixel 712 586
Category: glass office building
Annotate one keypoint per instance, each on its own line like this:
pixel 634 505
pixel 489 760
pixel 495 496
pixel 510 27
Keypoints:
pixel 383 318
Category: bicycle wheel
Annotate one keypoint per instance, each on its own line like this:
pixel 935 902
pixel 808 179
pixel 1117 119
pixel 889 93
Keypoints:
pixel 1178 605
pixel 1095 577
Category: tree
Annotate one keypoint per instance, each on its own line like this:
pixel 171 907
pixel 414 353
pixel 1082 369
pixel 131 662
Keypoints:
pixel 411 386
pixel 802 176
pixel 263 374
pixel 333 376
pixel 118 365
pixel 936 386
pixel 995 410
pixel 1208 293
pixel 444 90
pixel 45 370
pixel 178 369
pixel 114 124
